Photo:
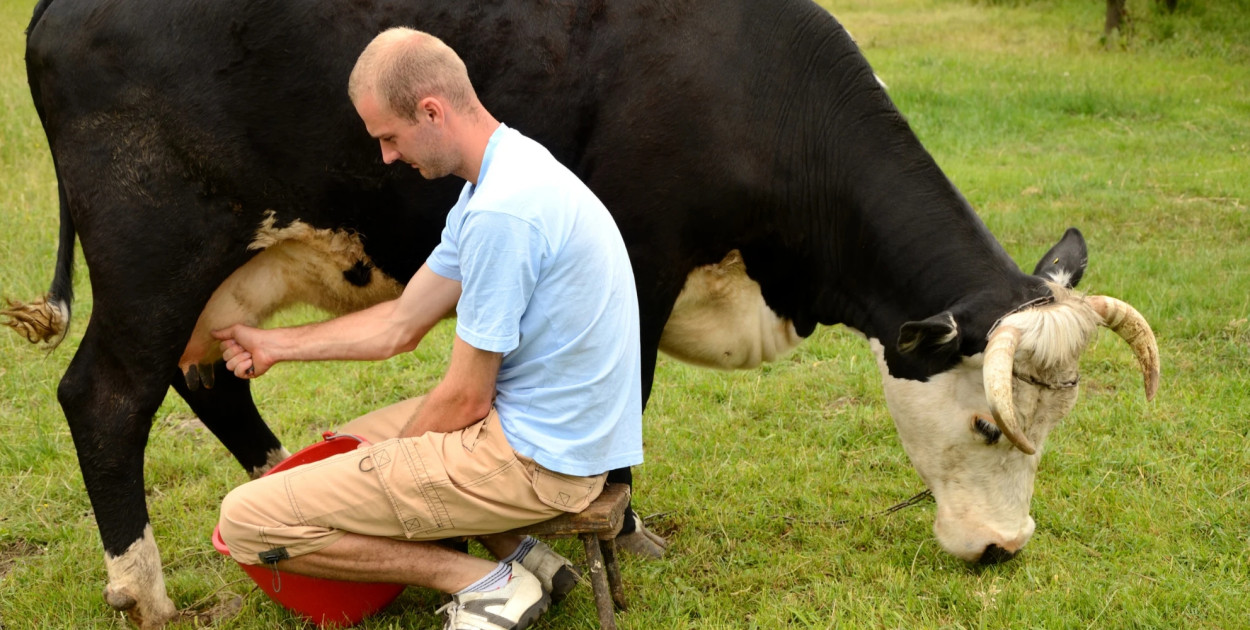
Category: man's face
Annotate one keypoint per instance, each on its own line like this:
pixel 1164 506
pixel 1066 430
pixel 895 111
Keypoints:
pixel 419 144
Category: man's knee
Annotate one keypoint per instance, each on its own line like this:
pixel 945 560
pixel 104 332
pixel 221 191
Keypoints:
pixel 260 526
pixel 236 523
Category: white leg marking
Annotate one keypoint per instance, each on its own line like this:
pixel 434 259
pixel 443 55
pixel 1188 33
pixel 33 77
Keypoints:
pixel 720 320
pixel 136 584
pixel 274 458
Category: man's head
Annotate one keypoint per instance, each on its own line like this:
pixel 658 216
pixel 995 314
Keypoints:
pixel 411 90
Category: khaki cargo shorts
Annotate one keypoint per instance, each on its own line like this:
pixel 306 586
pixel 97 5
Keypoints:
pixel 439 485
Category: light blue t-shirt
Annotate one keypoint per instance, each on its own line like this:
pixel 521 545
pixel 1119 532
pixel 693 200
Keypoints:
pixel 546 280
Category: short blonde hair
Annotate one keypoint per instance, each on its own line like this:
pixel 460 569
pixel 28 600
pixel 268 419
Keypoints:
pixel 401 66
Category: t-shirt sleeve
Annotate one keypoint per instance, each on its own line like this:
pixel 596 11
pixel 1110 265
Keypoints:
pixel 445 259
pixel 500 258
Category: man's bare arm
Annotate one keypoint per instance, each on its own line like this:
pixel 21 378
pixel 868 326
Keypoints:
pixel 463 397
pixel 379 332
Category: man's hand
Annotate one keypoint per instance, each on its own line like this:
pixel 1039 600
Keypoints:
pixel 243 350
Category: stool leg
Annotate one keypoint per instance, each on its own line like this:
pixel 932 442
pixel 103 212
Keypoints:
pixel 608 547
pixel 599 580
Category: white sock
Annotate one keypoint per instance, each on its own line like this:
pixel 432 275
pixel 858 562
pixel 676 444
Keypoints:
pixel 494 580
pixel 521 550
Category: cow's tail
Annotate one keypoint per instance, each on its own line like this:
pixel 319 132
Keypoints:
pixel 45 320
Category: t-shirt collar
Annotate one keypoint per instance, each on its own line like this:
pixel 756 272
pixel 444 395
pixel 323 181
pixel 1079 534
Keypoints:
pixel 495 138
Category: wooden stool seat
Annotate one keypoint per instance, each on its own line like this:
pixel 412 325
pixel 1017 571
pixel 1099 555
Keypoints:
pixel 597 526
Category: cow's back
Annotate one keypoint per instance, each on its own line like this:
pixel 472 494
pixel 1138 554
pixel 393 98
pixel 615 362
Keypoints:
pixel 246 100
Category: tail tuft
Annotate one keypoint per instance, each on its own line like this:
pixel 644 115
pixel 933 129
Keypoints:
pixel 42 322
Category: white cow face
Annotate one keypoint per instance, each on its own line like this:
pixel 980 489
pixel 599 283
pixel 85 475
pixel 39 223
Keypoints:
pixel 982 482
pixel 975 431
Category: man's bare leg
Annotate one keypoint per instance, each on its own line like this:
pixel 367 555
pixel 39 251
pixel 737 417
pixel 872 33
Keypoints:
pixel 360 558
pixel 500 545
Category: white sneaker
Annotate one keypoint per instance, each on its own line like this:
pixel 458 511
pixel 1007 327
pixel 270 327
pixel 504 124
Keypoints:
pixel 557 575
pixel 512 607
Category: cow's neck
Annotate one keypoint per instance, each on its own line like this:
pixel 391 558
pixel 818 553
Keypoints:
pixel 893 240
pixel 924 252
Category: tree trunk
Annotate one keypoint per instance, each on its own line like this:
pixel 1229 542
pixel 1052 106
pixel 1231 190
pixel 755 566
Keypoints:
pixel 1115 17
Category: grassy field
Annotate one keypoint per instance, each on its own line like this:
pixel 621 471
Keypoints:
pixel 1143 510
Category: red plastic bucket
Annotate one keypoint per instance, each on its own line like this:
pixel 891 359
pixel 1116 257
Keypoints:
pixel 327 603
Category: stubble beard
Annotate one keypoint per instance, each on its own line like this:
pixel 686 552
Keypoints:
pixel 436 166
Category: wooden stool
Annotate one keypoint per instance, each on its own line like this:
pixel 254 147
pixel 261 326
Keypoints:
pixel 597 526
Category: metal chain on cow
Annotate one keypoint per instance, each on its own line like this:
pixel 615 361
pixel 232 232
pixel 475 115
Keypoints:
pixel 1032 381
pixel 1041 301
pixel 919 497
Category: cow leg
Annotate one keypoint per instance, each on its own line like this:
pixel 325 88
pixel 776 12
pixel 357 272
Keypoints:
pixel 229 412
pixel 152 269
pixel 109 406
pixel 634 536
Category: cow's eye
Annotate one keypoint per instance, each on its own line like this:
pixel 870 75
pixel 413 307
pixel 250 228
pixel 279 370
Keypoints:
pixel 986 428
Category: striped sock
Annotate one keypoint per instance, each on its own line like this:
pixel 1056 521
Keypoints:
pixel 521 550
pixel 496 579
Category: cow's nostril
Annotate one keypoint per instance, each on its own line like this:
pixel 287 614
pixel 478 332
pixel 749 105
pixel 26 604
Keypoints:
pixel 994 554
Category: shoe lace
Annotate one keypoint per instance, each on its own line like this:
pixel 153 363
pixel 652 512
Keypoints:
pixel 452 609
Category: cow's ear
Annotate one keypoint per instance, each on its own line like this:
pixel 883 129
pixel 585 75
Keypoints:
pixel 1065 262
pixel 933 338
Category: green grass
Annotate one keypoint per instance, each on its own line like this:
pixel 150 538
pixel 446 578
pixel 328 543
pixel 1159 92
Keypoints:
pixel 1143 510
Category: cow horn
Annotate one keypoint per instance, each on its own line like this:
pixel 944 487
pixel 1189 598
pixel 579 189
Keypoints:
pixel 998 372
pixel 1133 328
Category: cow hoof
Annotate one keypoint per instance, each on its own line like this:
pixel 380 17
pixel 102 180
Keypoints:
pixel 119 599
pixel 642 542
pixel 153 617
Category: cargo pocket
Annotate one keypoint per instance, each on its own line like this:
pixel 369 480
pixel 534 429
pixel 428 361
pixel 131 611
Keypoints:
pixel 412 484
pixel 567 493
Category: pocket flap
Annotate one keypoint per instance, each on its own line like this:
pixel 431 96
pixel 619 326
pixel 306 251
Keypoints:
pixel 567 493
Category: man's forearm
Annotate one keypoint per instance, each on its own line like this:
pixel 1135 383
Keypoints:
pixel 442 412
pixel 378 332
pixel 464 396
pixel 371 334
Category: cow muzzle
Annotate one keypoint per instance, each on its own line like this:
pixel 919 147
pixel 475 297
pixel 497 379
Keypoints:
pixel 994 555
pixel 982 544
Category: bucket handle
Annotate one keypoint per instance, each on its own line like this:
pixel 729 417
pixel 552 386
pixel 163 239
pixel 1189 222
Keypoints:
pixel 334 435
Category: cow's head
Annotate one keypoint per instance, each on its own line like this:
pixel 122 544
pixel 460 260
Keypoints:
pixel 975 432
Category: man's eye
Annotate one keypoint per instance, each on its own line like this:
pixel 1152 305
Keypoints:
pixel 987 429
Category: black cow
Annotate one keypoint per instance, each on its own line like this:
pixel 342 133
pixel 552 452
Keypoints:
pixel 205 150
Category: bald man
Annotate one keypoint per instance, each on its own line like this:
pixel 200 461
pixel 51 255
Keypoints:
pixel 542 395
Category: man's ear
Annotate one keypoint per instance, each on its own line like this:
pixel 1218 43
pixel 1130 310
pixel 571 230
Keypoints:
pixel 933 339
pixel 1065 262
pixel 430 109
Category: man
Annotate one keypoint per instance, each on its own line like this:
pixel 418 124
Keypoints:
pixel 542 395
